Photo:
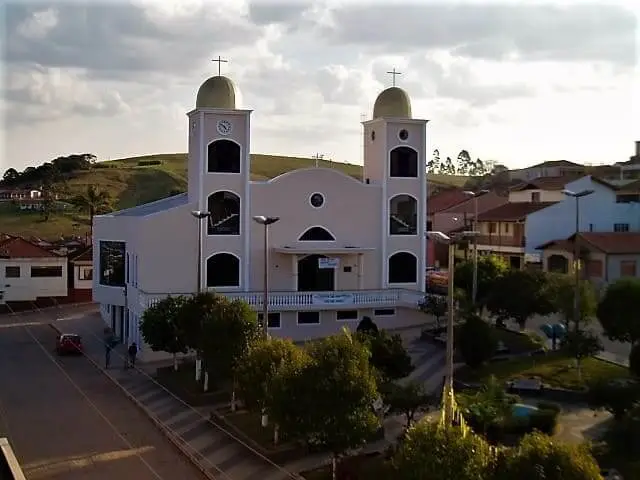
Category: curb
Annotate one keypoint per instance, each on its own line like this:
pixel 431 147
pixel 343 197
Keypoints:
pixel 46 309
pixel 175 440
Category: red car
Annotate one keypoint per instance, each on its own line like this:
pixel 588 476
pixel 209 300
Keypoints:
pixel 68 343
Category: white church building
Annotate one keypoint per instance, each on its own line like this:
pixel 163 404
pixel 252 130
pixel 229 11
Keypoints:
pixel 342 248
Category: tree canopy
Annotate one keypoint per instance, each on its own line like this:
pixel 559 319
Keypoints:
pixel 160 326
pixel 563 294
pixel 476 341
pixel 388 354
pixel 619 310
pixel 490 269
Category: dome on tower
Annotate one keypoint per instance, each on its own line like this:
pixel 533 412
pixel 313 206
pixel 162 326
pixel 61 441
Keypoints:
pixel 217 92
pixel 392 102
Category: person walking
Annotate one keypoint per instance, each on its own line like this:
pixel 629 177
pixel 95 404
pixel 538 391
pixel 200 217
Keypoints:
pixel 132 352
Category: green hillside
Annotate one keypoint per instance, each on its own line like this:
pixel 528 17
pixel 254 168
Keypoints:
pixel 137 180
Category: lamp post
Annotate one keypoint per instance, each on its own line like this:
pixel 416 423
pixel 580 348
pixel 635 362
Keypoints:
pixel 200 215
pixel 576 254
pixel 475 196
pixel 451 243
pixel 266 221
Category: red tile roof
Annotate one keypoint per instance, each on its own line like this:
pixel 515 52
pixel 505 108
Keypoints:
pixel 83 255
pixel 488 201
pixel 18 247
pixel 613 243
pixel 512 212
pixel 556 183
pixel 445 199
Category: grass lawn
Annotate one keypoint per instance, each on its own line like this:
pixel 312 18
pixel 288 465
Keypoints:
pixel 554 369
pixel 31 224
pixel 362 467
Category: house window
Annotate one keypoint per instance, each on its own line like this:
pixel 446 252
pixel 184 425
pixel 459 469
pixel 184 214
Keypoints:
pixel 535 197
pixel 345 315
pixel 620 227
pixel 506 228
pixel 112 263
pixel 594 268
pixel 384 312
pixel 86 273
pixel 46 272
pixel 308 318
pixel 223 270
pixel 225 214
pixel 316 234
pixel 403 268
pixel 403 215
pixel 403 162
pixel 273 320
pixel 12 272
pixel 493 227
pixel 128 268
pixel 223 156
pixel 591 227
pixel 628 268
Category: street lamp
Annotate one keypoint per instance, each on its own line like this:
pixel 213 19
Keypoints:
pixel 200 215
pixel 451 243
pixel 475 196
pixel 266 221
pixel 576 253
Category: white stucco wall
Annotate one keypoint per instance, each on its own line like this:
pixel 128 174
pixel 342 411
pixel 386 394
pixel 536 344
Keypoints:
pixel 28 288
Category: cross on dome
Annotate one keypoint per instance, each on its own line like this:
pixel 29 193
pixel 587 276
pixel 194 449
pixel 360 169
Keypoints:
pixel 219 61
pixel 393 74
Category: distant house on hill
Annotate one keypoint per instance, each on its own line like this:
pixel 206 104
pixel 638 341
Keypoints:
pixel 551 168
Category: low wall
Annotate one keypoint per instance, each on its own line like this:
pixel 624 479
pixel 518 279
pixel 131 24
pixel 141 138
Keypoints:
pixel 9 467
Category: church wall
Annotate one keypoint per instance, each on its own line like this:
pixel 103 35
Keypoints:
pixel 374 151
pixel 194 155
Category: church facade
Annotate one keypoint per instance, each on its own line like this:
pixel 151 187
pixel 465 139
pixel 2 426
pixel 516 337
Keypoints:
pixel 341 248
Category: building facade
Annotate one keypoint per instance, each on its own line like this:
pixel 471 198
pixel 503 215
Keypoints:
pixel 341 249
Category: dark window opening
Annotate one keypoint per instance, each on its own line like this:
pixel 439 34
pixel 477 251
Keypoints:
pixel 112 263
pixel 403 215
pixel 403 268
pixel 620 227
pixel 308 318
pixel 346 269
pixel 225 214
pixel 223 270
pixel 384 312
pixel 317 234
pixel 273 319
pixel 223 156
pixel 403 162
pixel 347 315
pixel 12 272
pixel 42 272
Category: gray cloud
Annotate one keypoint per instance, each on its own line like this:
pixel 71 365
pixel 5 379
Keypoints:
pixel 277 13
pixel 587 32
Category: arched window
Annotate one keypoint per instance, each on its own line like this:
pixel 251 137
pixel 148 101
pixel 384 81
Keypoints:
pixel 316 234
pixel 403 268
pixel 225 214
pixel 403 215
pixel 223 156
pixel 223 270
pixel 403 162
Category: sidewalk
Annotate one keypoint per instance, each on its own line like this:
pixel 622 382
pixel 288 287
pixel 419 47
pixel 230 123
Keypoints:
pixel 216 452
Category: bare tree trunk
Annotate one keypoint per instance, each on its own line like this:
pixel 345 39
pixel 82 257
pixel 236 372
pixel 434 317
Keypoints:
pixel 175 362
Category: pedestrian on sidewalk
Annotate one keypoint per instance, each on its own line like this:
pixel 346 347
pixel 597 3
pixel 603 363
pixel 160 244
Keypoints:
pixel 131 353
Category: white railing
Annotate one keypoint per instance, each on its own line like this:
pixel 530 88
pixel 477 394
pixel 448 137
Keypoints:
pixel 295 301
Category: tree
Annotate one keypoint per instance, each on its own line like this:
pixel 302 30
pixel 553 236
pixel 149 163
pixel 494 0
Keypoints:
pixel 435 305
pixel 367 326
pixel 490 269
pixel 160 327
pixel 448 167
pixel 476 341
pixel 327 401
pixel 465 164
pixel 634 360
pixel 388 354
pixel 563 290
pixel 93 202
pixel 520 294
pixel 619 311
pixel 435 452
pixel 229 329
pixel 408 400
pixel 491 405
pixel 541 457
pixel 581 344
pixel 616 397
pixel 10 177
pixel 435 164
pixel 191 319
pixel 256 373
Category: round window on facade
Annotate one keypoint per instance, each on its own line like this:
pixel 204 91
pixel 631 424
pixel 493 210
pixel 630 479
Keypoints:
pixel 403 135
pixel 316 200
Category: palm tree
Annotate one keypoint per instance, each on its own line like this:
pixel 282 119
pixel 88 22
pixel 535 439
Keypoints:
pixel 93 201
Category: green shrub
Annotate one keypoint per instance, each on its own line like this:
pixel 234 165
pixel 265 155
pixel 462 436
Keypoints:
pixel 549 406
pixel 544 421
pixel 147 163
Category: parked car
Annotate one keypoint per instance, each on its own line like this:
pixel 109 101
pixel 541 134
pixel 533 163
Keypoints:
pixel 69 344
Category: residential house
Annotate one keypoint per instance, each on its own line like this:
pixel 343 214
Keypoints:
pixel 598 212
pixel 7 195
pixel 606 256
pixel 553 168
pixel 81 275
pixel 631 168
pixel 629 192
pixel 437 203
pixel 29 273
pixel 543 189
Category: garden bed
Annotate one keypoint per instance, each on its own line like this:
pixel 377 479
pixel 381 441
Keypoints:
pixel 554 370
pixel 514 342
pixel 183 385
pixel 372 466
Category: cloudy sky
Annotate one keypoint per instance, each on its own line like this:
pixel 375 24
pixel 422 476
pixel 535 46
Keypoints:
pixel 517 82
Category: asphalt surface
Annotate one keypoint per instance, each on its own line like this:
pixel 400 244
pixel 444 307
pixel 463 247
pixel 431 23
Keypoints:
pixel 66 420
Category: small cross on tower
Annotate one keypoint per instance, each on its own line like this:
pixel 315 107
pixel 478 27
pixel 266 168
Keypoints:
pixel 219 61
pixel 393 74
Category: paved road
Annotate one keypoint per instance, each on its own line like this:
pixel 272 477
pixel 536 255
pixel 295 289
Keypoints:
pixel 67 420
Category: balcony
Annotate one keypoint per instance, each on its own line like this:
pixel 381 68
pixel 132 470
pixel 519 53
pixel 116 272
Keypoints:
pixel 502 240
pixel 300 301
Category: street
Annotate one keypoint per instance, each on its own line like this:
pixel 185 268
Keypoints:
pixel 65 419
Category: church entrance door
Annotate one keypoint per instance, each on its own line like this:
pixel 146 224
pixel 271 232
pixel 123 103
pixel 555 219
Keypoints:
pixel 312 278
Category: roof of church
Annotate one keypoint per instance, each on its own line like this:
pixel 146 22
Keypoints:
pixel 392 102
pixel 217 92
pixel 153 207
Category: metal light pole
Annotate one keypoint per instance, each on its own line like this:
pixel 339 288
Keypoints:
pixel 475 196
pixel 199 215
pixel 451 244
pixel 266 221
pixel 576 254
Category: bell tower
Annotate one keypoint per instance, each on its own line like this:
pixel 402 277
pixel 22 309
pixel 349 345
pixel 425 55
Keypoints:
pixel 394 158
pixel 218 182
